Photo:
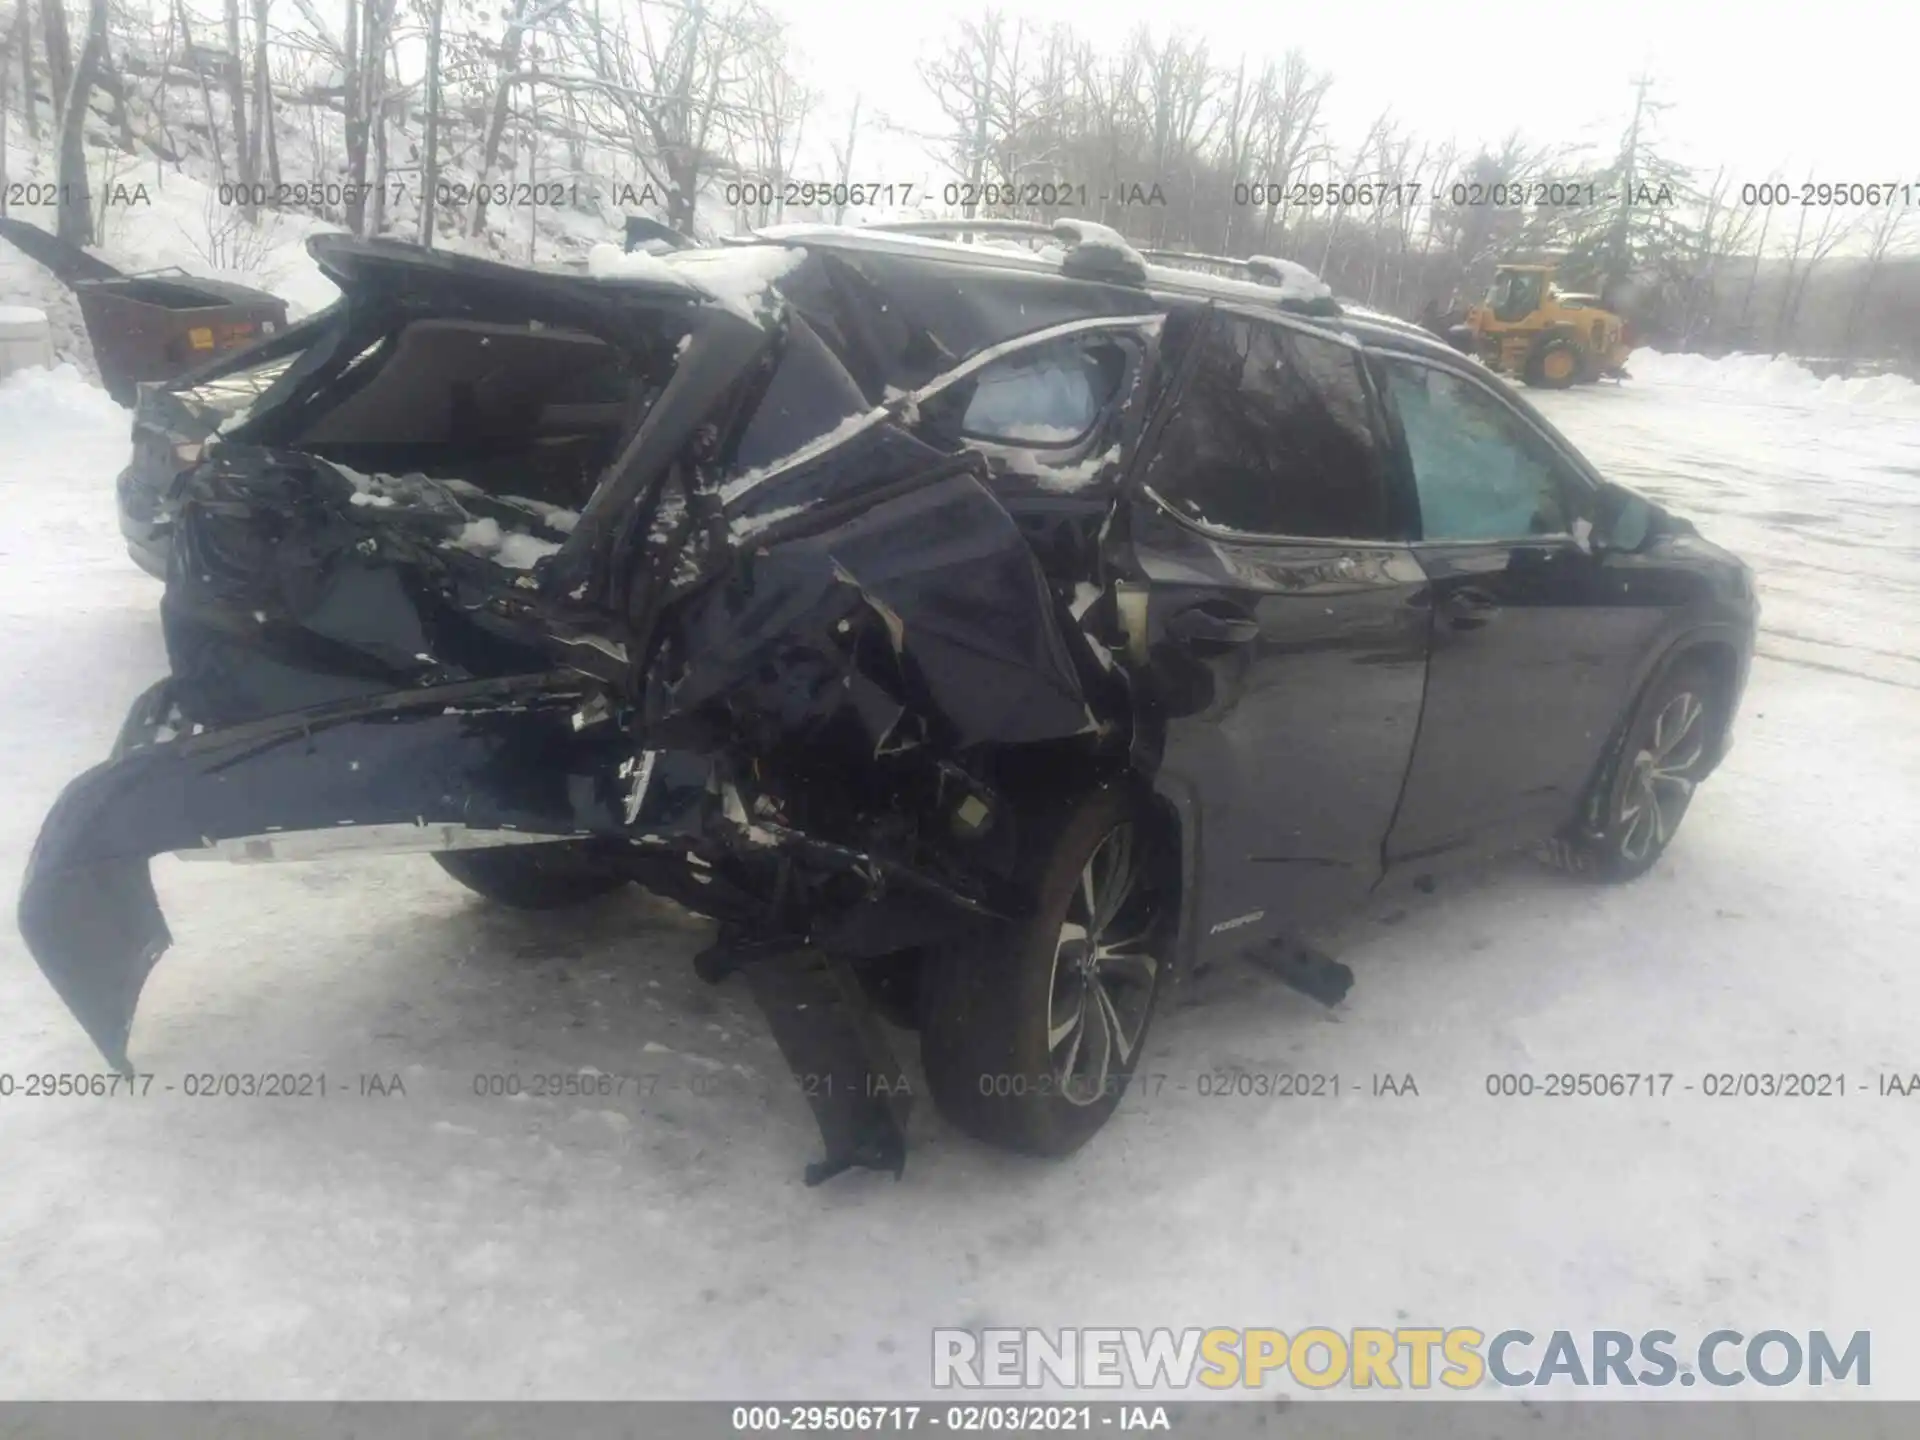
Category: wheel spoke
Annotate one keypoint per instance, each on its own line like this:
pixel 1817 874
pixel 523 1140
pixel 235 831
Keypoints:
pixel 1677 723
pixel 1077 1030
pixel 1116 1028
pixel 1100 981
pixel 1099 1030
pixel 1641 818
pixel 1117 884
pixel 1067 996
pixel 1128 957
pixel 1677 788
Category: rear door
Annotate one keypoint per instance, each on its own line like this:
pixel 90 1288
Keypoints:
pixel 1277 606
pixel 1536 638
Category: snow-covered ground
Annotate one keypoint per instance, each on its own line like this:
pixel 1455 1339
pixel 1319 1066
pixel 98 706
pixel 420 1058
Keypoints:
pixel 441 1244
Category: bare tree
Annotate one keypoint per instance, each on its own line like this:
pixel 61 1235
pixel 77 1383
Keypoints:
pixel 198 62
pixel 6 96
pixel 843 162
pixel 430 144
pixel 968 79
pixel 1802 255
pixel 367 43
pixel 778 106
pixel 1364 155
pixel 23 47
pixel 1241 115
pixel 377 59
pixel 53 16
pixel 266 149
pixel 1110 117
pixel 1887 234
pixel 1289 130
pixel 237 111
pixel 680 79
pixel 1180 88
pixel 1725 232
pixel 523 14
pixel 353 117
pixel 73 213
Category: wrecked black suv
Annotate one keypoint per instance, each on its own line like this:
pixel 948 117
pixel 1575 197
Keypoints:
pixel 981 636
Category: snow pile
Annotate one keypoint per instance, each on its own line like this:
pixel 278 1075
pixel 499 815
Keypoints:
pixel 44 402
pixel 1772 377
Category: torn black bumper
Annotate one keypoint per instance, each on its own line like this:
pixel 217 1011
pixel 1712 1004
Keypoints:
pixel 479 762
pixel 529 760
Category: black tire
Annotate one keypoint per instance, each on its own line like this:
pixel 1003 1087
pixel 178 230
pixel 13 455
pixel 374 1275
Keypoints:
pixel 1542 368
pixel 532 877
pixel 989 1003
pixel 1642 794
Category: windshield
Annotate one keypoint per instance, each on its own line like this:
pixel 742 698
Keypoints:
pixel 1514 294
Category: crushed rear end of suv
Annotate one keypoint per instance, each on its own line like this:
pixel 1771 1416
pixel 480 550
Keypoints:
pixel 981 638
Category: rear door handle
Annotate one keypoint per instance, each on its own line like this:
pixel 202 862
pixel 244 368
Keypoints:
pixel 1469 608
pixel 1212 627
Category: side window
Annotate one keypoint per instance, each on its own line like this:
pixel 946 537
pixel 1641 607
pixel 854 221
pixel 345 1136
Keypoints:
pixel 1481 472
pixel 1273 436
pixel 1049 395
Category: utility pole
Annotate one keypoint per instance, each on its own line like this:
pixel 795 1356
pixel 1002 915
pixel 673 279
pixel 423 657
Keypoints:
pixel 846 163
pixel 1619 260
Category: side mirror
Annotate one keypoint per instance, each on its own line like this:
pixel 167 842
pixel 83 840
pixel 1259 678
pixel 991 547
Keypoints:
pixel 1624 522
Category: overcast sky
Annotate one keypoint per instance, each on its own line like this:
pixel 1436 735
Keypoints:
pixel 1758 87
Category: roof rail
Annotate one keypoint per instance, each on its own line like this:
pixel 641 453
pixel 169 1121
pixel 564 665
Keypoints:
pixel 1194 257
pixel 1287 275
pixel 1093 251
pixel 937 228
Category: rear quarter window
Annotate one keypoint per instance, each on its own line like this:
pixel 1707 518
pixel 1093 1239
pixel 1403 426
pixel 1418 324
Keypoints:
pixel 450 381
pixel 1051 395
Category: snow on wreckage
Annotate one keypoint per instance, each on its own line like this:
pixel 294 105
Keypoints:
pixel 684 572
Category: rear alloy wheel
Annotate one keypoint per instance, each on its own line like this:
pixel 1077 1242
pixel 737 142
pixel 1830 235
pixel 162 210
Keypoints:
pixel 1029 1035
pixel 532 877
pixel 1652 780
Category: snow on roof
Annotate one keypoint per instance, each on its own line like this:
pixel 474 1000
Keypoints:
pixel 1297 282
pixel 739 277
pixel 1088 236
pixel 610 262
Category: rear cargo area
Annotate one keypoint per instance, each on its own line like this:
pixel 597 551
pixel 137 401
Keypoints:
pixel 341 530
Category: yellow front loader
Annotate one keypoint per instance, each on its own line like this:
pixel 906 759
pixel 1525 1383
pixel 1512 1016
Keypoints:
pixel 1528 327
